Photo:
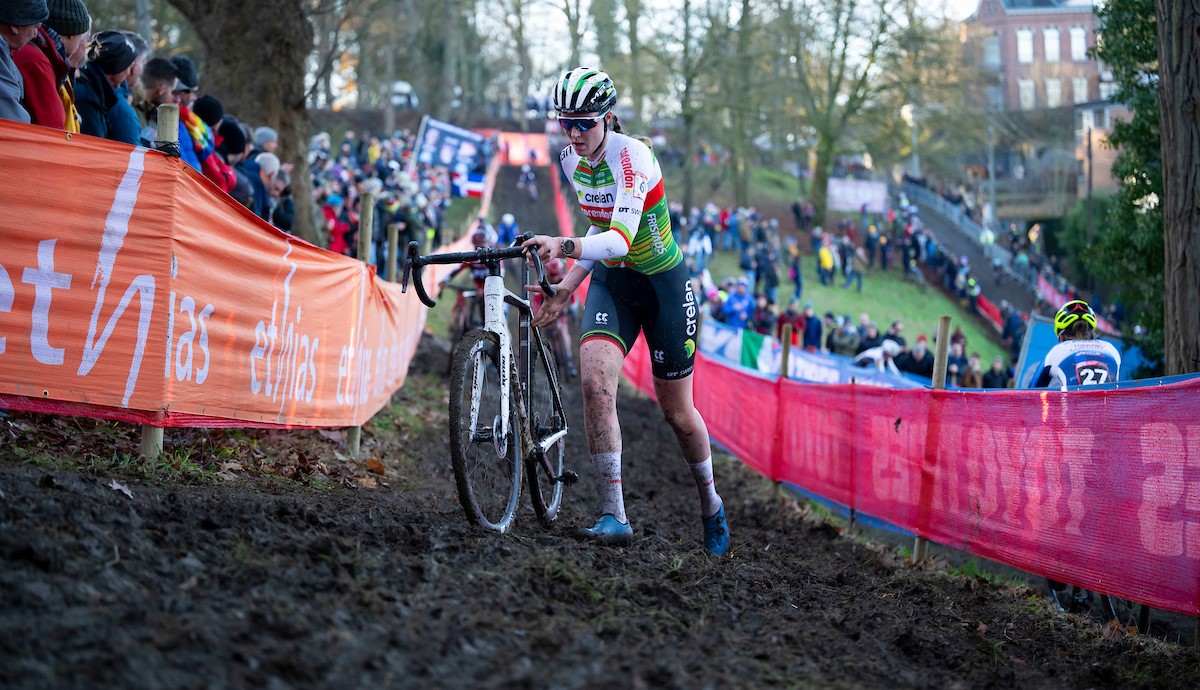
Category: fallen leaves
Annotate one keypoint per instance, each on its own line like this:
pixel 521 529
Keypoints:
pixel 376 465
pixel 118 486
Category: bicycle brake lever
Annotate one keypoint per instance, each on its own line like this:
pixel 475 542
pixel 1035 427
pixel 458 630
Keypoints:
pixel 414 264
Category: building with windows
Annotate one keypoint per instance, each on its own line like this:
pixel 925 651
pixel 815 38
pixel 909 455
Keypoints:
pixel 1035 54
pixel 1093 123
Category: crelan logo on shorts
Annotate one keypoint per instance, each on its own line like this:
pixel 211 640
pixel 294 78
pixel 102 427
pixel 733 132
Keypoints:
pixel 689 348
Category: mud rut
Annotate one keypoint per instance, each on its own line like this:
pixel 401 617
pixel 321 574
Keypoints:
pixel 252 583
pixel 249 584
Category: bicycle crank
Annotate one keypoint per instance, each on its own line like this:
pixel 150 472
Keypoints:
pixel 567 477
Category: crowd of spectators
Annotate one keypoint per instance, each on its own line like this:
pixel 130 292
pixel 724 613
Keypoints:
pixel 767 257
pixel 57 72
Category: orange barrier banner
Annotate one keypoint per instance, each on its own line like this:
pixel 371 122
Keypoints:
pixel 519 148
pixel 131 288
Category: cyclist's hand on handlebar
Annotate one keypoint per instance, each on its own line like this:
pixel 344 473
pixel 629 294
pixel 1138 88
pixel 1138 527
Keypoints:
pixel 551 307
pixel 547 247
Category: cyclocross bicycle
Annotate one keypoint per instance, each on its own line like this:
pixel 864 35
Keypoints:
pixel 506 411
pixel 1072 599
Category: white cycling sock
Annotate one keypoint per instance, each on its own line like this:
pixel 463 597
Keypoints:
pixel 702 472
pixel 607 469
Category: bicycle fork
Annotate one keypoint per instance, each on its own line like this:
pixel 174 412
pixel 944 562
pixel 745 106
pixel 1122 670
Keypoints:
pixel 494 322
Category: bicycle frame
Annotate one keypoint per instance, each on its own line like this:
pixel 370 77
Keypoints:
pixel 495 296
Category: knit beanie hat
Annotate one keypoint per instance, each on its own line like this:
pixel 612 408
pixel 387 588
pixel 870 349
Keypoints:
pixel 69 17
pixel 23 12
pixel 111 52
pixel 233 139
pixel 187 72
pixel 264 135
pixel 209 109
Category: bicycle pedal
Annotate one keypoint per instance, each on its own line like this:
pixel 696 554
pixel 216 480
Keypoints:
pixel 567 477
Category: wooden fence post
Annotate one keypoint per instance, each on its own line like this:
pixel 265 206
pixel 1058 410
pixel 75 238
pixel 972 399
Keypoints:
pixel 166 141
pixel 366 227
pixel 393 257
pixel 784 361
pixel 941 351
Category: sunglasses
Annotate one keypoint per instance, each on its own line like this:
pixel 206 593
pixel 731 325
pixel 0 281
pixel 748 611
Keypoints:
pixel 582 124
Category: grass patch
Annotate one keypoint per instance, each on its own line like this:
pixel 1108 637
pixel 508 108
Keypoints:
pixel 886 297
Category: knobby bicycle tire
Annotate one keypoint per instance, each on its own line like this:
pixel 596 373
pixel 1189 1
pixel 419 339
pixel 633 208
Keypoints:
pixel 545 491
pixel 489 485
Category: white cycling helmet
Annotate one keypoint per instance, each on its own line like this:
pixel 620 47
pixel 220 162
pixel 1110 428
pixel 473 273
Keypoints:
pixel 507 219
pixel 584 90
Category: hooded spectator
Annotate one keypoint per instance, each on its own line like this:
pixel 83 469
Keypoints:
pixel 19 24
pixel 110 57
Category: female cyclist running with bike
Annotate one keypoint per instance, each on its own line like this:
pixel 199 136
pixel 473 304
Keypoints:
pixel 639 284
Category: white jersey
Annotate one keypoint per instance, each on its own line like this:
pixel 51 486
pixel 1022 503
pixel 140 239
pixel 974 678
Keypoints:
pixel 1080 362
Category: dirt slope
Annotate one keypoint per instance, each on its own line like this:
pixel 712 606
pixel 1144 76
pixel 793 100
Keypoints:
pixel 258 582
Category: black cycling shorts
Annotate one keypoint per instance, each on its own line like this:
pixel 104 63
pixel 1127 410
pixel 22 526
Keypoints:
pixel 621 302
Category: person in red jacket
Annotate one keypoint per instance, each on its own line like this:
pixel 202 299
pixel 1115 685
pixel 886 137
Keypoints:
pixel 44 71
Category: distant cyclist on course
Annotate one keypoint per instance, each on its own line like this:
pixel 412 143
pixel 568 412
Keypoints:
pixel 1079 358
pixel 639 284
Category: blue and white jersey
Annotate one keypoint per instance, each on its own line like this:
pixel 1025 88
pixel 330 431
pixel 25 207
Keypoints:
pixel 1080 363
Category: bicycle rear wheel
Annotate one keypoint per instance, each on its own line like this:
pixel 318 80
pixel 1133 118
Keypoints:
pixel 545 419
pixel 1129 614
pixel 487 468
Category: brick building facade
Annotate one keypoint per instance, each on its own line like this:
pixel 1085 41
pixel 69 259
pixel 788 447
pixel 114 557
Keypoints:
pixel 1035 54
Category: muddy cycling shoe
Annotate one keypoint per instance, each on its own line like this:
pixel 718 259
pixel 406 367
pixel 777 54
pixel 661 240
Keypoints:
pixel 608 530
pixel 716 533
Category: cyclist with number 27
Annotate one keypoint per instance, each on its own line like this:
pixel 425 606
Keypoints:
pixel 639 284
pixel 1079 358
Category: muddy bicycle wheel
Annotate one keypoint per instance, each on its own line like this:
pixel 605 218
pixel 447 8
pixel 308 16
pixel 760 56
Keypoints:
pixel 545 490
pixel 487 465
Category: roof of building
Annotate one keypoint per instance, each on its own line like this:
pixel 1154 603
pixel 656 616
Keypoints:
pixel 1046 6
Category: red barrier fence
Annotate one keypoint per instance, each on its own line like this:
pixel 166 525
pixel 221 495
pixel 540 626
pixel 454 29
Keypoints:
pixel 1095 488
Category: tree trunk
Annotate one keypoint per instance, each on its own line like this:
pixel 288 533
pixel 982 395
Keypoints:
pixel 689 143
pixel 820 178
pixel 633 13
pixel 1179 96
pixel 742 61
pixel 450 49
pixel 262 82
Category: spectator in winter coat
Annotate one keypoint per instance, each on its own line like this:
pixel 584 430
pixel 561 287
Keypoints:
pixel 44 70
pixel 19 21
pixel 972 377
pixel 880 357
pixel 283 204
pixel 739 306
pixel 871 338
pixel 792 315
pixel 917 360
pixel 956 364
pixel 763 319
pixel 812 329
pixel 336 224
pixel 110 59
pixel 845 340
pixel 997 376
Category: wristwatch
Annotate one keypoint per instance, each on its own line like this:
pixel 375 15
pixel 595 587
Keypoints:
pixel 568 247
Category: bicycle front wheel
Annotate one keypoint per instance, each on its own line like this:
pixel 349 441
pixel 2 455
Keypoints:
pixel 487 463
pixel 545 419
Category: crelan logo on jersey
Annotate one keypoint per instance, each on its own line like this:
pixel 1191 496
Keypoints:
pixel 597 198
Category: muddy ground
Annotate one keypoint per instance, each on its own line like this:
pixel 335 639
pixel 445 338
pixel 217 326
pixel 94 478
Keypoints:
pixel 268 559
